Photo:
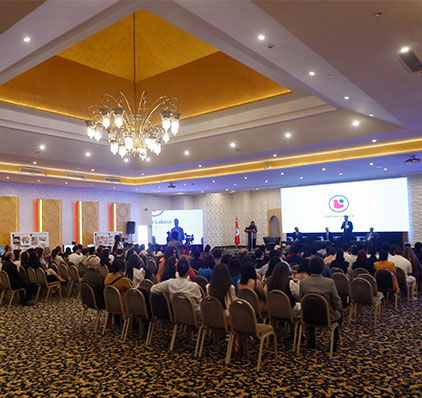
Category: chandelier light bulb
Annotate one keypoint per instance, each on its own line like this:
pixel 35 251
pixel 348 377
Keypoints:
pixel 118 121
pixel 129 143
pixel 114 147
pixel 157 148
pixel 166 137
pixel 91 131
pixel 97 134
pixel 122 151
pixel 142 153
pixel 165 122
pixel 174 126
pixel 106 121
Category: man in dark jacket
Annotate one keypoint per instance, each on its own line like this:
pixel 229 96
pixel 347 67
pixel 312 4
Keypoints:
pixel 94 279
pixel 16 280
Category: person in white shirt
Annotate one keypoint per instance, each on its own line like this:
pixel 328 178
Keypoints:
pixel 76 257
pixel 181 285
pixel 403 263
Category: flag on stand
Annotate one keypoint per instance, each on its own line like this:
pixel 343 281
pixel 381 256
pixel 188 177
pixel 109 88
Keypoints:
pixel 236 233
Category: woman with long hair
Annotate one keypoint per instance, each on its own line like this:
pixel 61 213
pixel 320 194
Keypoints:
pixel 280 280
pixel 105 260
pixel 363 262
pixel 271 265
pixel 56 256
pixel 248 279
pixel 170 252
pixel 340 262
pixel 169 268
pixel 118 244
pixel 416 265
pixel 221 287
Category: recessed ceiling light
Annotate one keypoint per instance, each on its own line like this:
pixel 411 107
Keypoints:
pixel 371 164
pixel 34 162
pixel 213 181
pixel 288 134
pixel 245 178
pixel 340 174
pixel 355 123
pixel 66 182
pixel 232 145
pixel 274 155
pixel 385 169
pixel 126 160
pixel 7 178
pixel 301 178
pixel 148 159
pixel 202 191
pixel 184 185
pixel 404 50
pixel 26 39
pixel 142 174
pixel 256 189
pixel 374 140
pixel 227 189
pixel 261 37
pixel 87 154
pixel 311 73
pixel 199 165
pixel 38 180
pixel 346 97
pixel 323 169
pixel 266 180
pixel 114 187
pixel 282 173
pixel 42 147
pixel 234 184
pixel 187 153
pixel 371 115
pixel 92 169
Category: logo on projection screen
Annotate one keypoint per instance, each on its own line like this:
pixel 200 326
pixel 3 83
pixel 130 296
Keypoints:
pixel 338 203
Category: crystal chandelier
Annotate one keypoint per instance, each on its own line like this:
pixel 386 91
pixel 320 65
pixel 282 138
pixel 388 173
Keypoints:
pixel 134 130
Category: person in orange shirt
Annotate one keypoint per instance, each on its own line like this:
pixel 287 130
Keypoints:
pixel 388 265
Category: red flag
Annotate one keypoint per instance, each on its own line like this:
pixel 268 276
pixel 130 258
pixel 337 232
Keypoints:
pixel 236 233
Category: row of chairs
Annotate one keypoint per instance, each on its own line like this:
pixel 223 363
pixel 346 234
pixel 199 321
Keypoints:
pixel 179 315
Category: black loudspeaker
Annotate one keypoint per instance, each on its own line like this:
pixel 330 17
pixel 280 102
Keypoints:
pixel 130 227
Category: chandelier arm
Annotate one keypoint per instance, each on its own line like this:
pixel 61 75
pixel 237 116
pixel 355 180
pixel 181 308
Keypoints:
pixel 160 102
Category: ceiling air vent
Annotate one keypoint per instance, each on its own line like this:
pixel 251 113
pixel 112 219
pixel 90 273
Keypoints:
pixel 30 170
pixel 76 175
pixel 111 179
pixel 412 61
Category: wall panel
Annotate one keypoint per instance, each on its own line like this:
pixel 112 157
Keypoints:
pixel 90 221
pixel 9 218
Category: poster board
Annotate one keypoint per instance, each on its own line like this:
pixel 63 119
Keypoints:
pixel 105 238
pixel 29 240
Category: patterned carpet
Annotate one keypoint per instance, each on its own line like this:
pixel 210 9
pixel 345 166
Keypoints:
pixel 43 353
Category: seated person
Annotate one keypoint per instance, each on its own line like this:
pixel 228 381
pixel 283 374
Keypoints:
pixel 362 261
pixel 280 280
pixel 207 267
pixel 234 269
pixel 326 287
pixel 248 279
pixel 117 278
pixel 221 287
pixel 16 280
pixel 383 263
pixel 339 261
pixel 402 262
pixel 331 255
pixel 182 285
pixel 303 270
pixel 94 279
pixel 294 257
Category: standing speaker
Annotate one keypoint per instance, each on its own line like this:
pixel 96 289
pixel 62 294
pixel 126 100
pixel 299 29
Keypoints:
pixel 130 227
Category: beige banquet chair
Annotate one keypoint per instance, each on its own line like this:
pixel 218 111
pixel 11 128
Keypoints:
pixel 136 309
pixel 49 286
pixel 279 310
pixel 184 315
pixel 114 305
pixel 362 295
pixel 6 287
pixel 75 280
pixel 89 302
pixel 342 284
pixel 358 271
pixel 161 312
pixel 315 313
pixel 243 323
pixel 403 284
pixel 213 319
pixel 252 298
pixel 32 278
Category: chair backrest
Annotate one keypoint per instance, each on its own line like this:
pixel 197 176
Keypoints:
pixel 384 280
pixel 82 268
pixel 103 270
pixel 73 273
pixel 278 305
pixel 315 310
pixel 201 281
pixel 23 273
pixel 183 310
pixel 88 296
pixel 213 315
pixel 361 291
pixel 359 271
pixel 242 317
pixel 63 271
pixel 146 284
pixel 32 276
pixel 160 307
pixel 336 269
pixel 401 278
pixel 251 297
pixel 41 276
pixel 342 283
pixel 135 304
pixel 372 281
pixel 4 280
pixel 113 300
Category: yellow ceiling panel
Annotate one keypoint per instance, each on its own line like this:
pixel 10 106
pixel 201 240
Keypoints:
pixel 160 46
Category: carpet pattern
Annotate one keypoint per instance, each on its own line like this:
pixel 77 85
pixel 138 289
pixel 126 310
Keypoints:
pixel 44 354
